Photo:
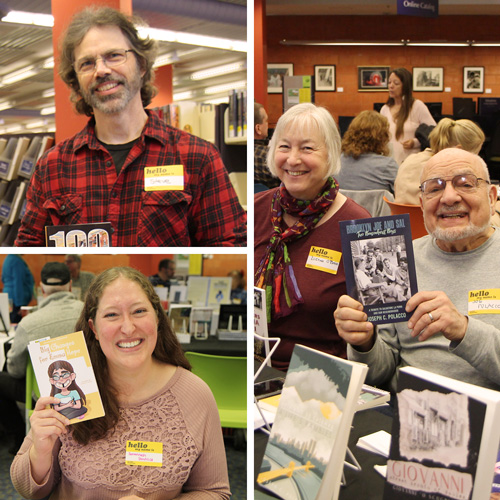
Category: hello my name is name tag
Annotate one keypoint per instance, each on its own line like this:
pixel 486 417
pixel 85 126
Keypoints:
pixel 164 178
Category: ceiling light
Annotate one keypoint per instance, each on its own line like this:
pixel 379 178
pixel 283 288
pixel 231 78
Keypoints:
pixel 217 100
pixel 49 93
pixel 485 44
pixel 437 44
pixel 165 59
pixel 218 70
pixel 49 110
pixel 342 43
pixel 6 105
pixel 36 124
pixel 19 75
pixel 48 63
pixel 13 129
pixel 217 89
pixel 183 96
pixel 193 39
pixel 15 16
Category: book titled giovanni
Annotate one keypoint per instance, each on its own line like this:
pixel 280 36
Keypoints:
pixel 305 453
pixel 379 265
pixel 79 235
pixel 63 369
pixel 445 439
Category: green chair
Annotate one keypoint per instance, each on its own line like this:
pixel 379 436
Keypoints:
pixel 31 391
pixel 227 378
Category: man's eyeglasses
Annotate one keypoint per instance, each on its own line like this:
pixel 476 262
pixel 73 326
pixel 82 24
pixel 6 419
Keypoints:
pixel 63 375
pixel 462 183
pixel 111 59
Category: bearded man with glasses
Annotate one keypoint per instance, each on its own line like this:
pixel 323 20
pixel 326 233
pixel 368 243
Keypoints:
pixel 156 185
pixel 455 326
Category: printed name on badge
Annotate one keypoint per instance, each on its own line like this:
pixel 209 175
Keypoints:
pixel 144 453
pixel 323 259
pixel 165 178
pixel 484 301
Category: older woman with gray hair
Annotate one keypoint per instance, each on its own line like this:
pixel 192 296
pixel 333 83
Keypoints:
pixel 297 238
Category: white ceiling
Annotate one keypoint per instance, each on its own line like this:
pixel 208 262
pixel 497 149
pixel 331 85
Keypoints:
pixel 22 45
pixel 374 7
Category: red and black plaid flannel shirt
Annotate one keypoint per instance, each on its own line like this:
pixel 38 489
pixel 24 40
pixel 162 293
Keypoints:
pixel 76 182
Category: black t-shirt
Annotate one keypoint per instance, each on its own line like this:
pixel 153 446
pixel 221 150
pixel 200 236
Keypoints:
pixel 119 152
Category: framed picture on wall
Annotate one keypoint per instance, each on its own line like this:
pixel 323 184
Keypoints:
pixel 275 75
pixel 324 78
pixel 373 78
pixel 474 79
pixel 428 79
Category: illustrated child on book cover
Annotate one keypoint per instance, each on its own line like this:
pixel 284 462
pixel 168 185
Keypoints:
pixel 62 377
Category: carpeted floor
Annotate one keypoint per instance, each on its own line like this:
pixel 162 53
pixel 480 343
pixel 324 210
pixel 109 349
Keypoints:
pixel 236 460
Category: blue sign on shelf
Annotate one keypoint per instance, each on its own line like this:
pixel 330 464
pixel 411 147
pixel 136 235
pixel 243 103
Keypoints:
pixel 424 8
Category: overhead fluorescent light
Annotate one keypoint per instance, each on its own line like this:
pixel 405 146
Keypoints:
pixel 219 70
pixel 18 17
pixel 165 59
pixel 48 63
pixel 217 89
pixel 193 39
pixel 345 43
pixel 36 124
pixel 13 129
pixel 217 100
pixel 183 96
pixel 19 75
pixel 49 93
pixel 6 105
pixel 437 44
pixel 485 44
pixel 49 110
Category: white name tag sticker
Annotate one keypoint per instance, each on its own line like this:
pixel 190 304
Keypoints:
pixel 323 259
pixel 484 301
pixel 165 178
pixel 144 453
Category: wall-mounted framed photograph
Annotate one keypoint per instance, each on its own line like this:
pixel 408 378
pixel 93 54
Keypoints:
pixel 324 78
pixel 275 75
pixel 373 78
pixel 473 79
pixel 428 79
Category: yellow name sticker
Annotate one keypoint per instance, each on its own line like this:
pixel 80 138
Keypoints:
pixel 484 301
pixel 166 178
pixel 144 453
pixel 323 259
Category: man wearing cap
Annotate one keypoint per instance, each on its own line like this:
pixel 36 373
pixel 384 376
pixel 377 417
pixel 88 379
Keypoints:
pixel 56 315
pixel 455 327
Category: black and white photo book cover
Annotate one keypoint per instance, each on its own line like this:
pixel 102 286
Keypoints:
pixel 379 266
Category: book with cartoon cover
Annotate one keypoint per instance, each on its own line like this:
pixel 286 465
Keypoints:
pixel 379 265
pixel 63 370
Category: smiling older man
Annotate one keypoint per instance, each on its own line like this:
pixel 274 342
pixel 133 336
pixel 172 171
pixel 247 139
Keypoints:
pixel 455 326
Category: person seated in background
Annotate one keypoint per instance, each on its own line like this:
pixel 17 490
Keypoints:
pixel 456 265
pixel 56 315
pixel 365 159
pixel 448 133
pixel 148 395
pixel 261 148
pixel 165 274
pixel 80 279
pixel 291 221
pixel 238 291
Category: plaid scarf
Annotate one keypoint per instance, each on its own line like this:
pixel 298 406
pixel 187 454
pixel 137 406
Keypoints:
pixel 275 272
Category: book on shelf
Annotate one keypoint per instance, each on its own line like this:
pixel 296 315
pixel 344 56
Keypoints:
pixel 306 450
pixel 10 159
pixel 30 157
pixel 379 265
pixel 3 143
pixel 445 439
pixel 79 235
pixel 63 370
pixel 8 200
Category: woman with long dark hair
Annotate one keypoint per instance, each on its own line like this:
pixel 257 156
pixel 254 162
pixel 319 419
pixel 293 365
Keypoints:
pixel 405 114
pixel 156 411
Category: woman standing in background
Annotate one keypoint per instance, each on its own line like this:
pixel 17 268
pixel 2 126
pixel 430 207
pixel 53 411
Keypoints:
pixel 405 114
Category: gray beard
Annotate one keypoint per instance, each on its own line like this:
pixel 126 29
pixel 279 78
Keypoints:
pixel 451 235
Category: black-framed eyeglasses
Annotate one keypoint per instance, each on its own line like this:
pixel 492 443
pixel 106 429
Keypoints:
pixel 115 57
pixel 63 375
pixel 462 183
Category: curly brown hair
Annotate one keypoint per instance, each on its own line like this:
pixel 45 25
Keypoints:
pixel 367 133
pixel 167 350
pixel 144 49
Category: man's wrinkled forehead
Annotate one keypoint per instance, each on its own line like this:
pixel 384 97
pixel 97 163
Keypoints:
pixel 453 160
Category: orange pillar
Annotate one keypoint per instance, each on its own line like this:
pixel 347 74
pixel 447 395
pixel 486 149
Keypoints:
pixel 260 53
pixel 163 81
pixel 68 122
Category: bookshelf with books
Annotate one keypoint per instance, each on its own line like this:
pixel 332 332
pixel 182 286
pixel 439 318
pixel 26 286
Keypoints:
pixel 18 157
